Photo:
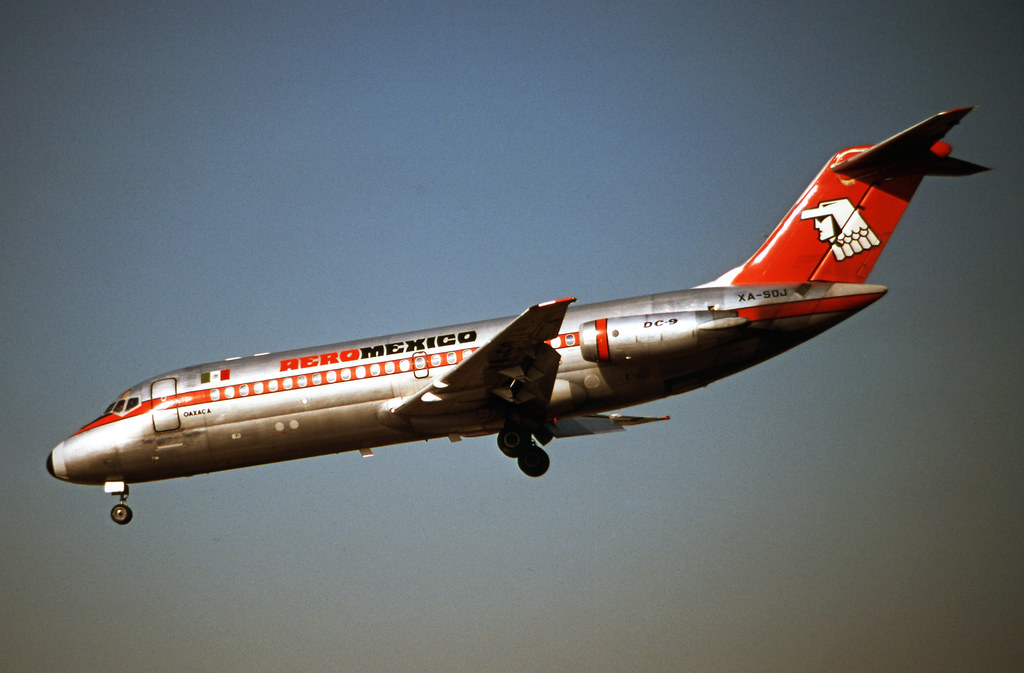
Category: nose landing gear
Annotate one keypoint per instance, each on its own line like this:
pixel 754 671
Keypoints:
pixel 121 513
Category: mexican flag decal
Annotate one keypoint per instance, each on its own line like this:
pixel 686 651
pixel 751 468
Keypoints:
pixel 216 377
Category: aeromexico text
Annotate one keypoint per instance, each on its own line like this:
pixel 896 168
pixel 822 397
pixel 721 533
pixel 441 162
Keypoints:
pixel 380 350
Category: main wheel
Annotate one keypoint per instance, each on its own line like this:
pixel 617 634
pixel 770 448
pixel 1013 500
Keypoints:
pixel 121 514
pixel 512 440
pixel 534 462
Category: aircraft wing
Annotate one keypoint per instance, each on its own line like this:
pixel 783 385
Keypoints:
pixel 597 424
pixel 517 366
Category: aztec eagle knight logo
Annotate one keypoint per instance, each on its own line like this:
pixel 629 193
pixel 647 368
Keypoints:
pixel 839 223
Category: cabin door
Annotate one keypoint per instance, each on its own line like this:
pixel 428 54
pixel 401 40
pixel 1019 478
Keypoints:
pixel 165 406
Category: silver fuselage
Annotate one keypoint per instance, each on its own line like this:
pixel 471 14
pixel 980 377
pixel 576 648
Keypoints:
pixel 339 397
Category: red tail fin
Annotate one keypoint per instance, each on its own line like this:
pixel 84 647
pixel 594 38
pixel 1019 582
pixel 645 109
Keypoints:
pixel 837 229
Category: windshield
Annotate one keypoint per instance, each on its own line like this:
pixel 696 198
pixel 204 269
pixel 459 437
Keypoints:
pixel 122 405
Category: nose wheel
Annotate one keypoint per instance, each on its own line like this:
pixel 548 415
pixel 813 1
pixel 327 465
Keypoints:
pixel 121 513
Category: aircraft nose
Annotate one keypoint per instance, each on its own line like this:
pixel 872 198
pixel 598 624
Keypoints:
pixel 55 463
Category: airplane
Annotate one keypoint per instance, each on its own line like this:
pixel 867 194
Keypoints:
pixel 554 371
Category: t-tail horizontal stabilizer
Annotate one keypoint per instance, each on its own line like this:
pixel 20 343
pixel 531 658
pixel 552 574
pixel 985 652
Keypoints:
pixel 916 151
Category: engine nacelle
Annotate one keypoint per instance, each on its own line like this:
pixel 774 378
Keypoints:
pixel 643 337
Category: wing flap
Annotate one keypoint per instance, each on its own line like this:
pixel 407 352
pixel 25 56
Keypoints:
pixel 597 424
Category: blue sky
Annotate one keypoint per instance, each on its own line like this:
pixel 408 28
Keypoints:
pixel 191 181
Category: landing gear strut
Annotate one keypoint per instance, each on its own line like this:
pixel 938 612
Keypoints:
pixel 121 513
pixel 517 442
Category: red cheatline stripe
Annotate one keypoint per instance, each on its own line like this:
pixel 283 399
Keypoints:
pixel 809 307
pixel 143 408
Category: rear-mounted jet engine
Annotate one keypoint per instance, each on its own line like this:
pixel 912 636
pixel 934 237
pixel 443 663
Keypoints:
pixel 656 335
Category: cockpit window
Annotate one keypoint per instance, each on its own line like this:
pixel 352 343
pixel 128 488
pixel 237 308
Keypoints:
pixel 119 406
pixel 122 406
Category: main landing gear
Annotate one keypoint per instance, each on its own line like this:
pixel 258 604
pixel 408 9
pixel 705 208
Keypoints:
pixel 121 513
pixel 517 442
